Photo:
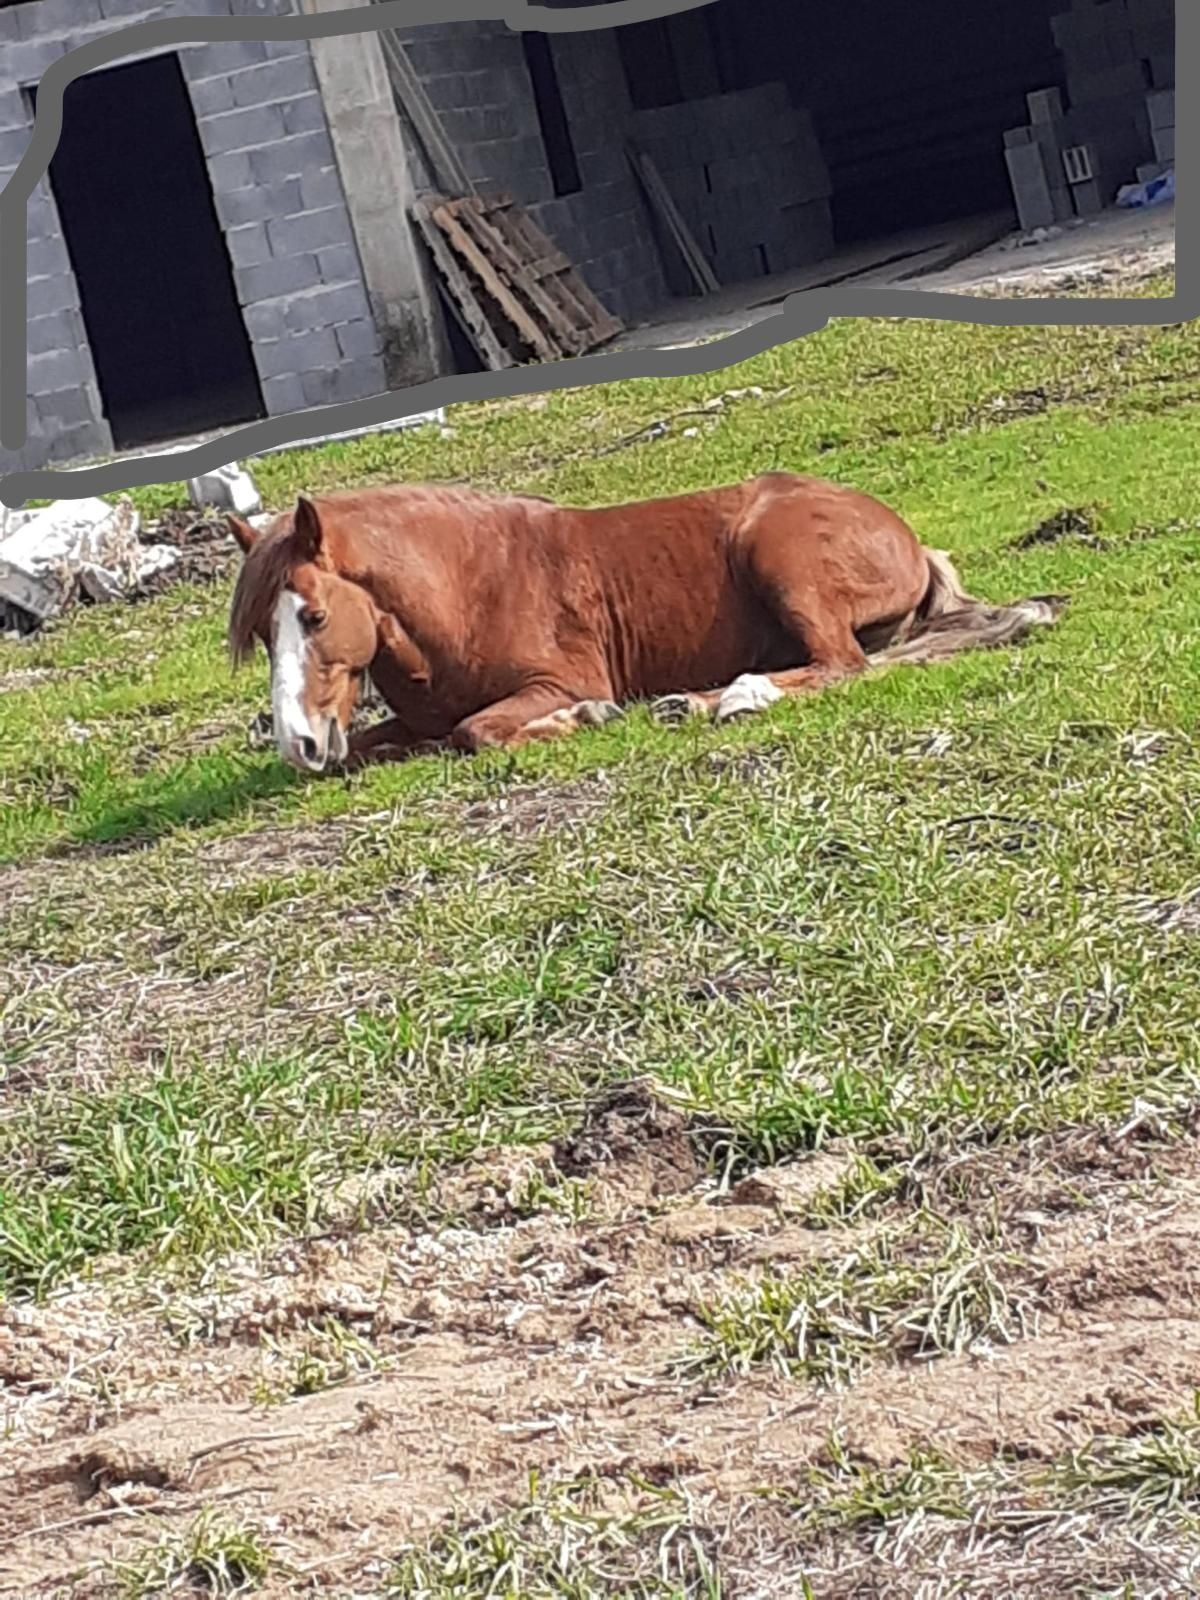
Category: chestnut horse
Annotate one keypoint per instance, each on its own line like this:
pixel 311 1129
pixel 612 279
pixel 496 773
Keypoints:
pixel 493 620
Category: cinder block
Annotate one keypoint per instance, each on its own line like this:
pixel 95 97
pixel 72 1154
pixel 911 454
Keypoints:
pixel 25 61
pixel 13 144
pixel 283 394
pixel 273 80
pixel 78 444
pixel 231 170
pixel 322 307
pixel 339 264
pixel 319 189
pixel 309 231
pixel 67 408
pixel 298 352
pixel 1045 105
pixel 56 18
pixel 1016 136
pixel 1160 106
pixel 53 332
pixel 356 339
pixel 1088 21
pixel 304 115
pixel 210 95
pixel 267 319
pixel 248 246
pixel 202 61
pixel 275 278
pixel 1092 54
pixel 47 257
pixel 1164 145
pixel 1087 198
pixel 55 369
pixel 1092 87
pixel 257 202
pixel 246 129
pixel 46 295
pixel 290 157
pixel 13 113
pixel 352 380
pixel 1031 189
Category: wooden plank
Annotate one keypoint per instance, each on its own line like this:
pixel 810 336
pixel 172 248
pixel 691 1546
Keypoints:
pixel 660 199
pixel 508 262
pixel 563 283
pixel 515 312
pixel 446 170
pixel 454 282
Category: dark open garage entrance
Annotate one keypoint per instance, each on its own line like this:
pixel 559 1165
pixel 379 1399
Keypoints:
pixel 170 349
pixel 909 101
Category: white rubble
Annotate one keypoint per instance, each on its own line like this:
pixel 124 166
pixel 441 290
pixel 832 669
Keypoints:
pixel 228 488
pixel 50 555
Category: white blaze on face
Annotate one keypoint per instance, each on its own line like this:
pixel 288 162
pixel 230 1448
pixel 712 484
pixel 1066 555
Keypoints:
pixel 299 742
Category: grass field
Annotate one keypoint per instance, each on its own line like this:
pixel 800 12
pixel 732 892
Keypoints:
pixel 672 1163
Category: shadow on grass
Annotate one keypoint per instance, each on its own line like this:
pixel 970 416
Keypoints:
pixel 200 793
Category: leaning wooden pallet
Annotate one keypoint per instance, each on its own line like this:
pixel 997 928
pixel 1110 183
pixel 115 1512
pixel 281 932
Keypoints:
pixel 517 297
pixel 533 301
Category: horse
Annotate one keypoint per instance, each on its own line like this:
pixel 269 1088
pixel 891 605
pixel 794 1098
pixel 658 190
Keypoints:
pixel 493 620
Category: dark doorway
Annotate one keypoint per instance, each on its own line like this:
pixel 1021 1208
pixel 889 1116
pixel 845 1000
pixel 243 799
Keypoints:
pixel 171 351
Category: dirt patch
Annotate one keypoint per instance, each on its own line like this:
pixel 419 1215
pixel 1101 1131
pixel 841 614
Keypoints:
pixel 1078 524
pixel 541 1344
pixel 207 552
pixel 635 1145
pixel 530 811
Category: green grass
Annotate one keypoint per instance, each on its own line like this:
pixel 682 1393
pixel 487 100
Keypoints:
pixel 933 889
pixel 829 1321
pixel 578 1541
pixel 213 1556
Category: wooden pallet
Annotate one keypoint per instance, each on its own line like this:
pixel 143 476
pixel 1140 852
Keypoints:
pixel 519 297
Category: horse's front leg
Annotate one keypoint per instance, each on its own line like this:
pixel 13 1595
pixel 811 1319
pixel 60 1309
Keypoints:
pixel 390 740
pixel 533 714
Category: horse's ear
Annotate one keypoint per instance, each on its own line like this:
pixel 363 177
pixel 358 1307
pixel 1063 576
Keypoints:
pixel 243 533
pixel 309 535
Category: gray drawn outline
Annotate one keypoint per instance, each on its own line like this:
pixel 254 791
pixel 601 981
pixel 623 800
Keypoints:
pixel 805 312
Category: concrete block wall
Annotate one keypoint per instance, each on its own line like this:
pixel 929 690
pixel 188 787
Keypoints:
pixel 748 175
pixel 278 197
pixel 476 78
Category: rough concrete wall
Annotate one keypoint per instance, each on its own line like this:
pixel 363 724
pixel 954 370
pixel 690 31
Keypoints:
pixel 278 196
pixel 476 77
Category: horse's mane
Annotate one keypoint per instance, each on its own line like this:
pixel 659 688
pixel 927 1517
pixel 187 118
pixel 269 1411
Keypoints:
pixel 265 571
pixel 266 568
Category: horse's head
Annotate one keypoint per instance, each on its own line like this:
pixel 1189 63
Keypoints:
pixel 320 632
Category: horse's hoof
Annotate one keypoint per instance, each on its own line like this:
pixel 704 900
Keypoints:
pixel 597 713
pixel 674 709
pixel 746 696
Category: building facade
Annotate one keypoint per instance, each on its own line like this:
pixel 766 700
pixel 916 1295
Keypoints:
pixel 225 233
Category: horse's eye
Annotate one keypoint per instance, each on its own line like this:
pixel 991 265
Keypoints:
pixel 312 619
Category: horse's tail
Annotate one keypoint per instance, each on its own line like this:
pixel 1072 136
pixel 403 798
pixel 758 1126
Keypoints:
pixel 948 620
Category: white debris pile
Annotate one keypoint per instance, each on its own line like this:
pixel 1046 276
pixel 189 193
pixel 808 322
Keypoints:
pixel 228 488
pixel 74 548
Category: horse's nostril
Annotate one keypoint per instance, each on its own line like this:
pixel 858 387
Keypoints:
pixel 309 750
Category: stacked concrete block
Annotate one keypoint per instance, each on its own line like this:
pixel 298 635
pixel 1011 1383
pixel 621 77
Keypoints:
pixel 1160 105
pixel 278 198
pixel 1114 52
pixel 747 174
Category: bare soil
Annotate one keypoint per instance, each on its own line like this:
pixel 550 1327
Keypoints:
pixel 519 1342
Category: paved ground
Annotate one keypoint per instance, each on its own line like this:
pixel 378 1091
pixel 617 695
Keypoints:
pixel 981 255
